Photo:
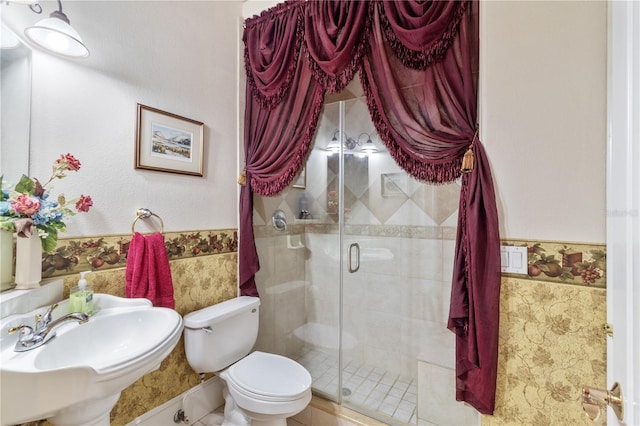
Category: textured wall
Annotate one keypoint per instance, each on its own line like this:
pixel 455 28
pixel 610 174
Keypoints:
pixel 88 108
pixel 543 116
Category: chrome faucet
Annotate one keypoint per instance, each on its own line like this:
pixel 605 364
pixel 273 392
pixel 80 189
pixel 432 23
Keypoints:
pixel 44 331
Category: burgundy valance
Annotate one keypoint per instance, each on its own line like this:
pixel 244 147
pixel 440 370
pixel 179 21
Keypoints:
pixel 334 43
pixel 418 63
pixel 271 62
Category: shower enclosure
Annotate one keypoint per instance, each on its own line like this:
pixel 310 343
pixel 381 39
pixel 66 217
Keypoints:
pixel 357 289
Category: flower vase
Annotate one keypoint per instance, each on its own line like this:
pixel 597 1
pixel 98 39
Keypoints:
pixel 28 262
pixel 6 259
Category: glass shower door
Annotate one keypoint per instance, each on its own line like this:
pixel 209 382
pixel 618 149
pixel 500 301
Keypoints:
pixel 378 375
pixel 378 262
pixel 320 334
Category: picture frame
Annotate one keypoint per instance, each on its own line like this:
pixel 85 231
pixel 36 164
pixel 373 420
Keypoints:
pixel 167 142
pixel 301 180
pixel 393 184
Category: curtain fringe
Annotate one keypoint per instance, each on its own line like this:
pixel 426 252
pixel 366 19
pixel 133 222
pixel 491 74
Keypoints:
pixel 265 101
pixel 336 83
pixel 419 60
pixel 437 171
pixel 435 52
pixel 268 188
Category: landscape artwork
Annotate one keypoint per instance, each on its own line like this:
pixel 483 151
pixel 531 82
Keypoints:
pixel 170 143
pixel 167 142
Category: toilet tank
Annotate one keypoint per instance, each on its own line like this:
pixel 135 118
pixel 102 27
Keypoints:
pixel 219 335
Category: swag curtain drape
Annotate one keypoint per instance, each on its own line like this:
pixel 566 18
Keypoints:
pixel 418 63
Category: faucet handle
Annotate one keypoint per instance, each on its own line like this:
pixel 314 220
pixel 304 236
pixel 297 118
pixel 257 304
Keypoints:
pixel 26 332
pixel 44 320
pixel 13 330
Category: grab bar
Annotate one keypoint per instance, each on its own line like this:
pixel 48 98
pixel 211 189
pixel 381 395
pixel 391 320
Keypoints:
pixel 351 247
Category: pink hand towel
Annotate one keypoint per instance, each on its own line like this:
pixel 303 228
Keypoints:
pixel 148 272
pixel 136 273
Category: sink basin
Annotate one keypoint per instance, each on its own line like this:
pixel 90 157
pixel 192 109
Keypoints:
pixel 76 377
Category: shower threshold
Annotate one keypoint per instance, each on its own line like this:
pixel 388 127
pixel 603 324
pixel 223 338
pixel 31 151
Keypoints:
pixel 375 391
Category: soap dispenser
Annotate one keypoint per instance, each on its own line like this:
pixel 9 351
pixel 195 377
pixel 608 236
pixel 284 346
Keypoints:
pixel 81 298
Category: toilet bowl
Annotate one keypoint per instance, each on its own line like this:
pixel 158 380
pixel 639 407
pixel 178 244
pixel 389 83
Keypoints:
pixel 261 388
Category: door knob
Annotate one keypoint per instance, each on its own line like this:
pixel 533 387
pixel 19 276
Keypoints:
pixel 595 399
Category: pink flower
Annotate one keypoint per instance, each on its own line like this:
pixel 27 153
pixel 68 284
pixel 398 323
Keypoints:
pixel 26 205
pixel 68 162
pixel 84 203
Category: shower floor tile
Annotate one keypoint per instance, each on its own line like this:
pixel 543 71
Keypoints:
pixel 363 385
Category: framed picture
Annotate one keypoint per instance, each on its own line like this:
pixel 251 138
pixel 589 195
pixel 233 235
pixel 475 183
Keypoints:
pixel 167 142
pixel 393 184
pixel 301 180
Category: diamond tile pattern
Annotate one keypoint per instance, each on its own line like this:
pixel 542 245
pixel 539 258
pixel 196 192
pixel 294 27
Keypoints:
pixel 376 190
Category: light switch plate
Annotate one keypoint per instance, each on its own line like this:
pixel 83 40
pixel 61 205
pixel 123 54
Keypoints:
pixel 513 259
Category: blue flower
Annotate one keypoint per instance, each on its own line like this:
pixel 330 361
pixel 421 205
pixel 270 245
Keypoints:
pixel 5 206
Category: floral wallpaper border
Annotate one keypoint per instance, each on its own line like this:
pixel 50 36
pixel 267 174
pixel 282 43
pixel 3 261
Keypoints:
pixel 99 253
pixel 561 262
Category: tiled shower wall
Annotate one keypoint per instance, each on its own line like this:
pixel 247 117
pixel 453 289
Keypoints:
pixel 388 310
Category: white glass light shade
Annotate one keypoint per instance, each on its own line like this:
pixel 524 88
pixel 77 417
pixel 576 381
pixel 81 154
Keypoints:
pixel 57 36
pixel 333 145
pixel 369 147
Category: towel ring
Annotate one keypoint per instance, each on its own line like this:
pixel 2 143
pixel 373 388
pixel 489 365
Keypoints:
pixel 143 213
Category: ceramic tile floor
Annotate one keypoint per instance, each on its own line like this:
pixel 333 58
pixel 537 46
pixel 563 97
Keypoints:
pixel 372 389
pixel 364 386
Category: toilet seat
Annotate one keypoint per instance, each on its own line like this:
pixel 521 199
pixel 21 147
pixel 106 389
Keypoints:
pixel 269 377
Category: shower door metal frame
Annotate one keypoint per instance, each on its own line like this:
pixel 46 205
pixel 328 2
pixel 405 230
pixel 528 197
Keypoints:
pixel 341 220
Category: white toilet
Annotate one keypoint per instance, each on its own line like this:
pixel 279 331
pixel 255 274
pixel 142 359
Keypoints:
pixel 262 389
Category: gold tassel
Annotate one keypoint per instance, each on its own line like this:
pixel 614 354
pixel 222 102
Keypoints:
pixel 468 160
pixel 242 179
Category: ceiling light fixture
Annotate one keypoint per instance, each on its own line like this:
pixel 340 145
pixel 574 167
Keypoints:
pixel 56 34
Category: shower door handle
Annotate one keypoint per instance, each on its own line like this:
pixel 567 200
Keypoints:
pixel 353 246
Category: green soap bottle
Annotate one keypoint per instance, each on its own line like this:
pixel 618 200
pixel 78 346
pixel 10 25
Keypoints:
pixel 81 297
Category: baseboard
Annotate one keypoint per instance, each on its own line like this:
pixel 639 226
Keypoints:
pixel 195 403
pixel 340 412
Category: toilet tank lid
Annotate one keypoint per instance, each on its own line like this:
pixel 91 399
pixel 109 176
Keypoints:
pixel 220 311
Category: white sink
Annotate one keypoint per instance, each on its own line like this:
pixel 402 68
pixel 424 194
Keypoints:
pixel 76 377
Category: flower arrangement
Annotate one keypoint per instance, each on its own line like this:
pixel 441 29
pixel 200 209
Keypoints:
pixel 29 205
